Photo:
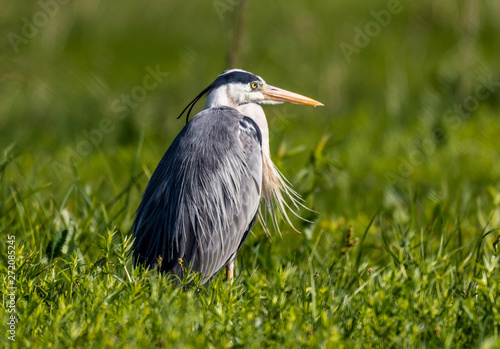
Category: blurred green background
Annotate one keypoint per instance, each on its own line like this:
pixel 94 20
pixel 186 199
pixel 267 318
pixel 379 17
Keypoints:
pixel 385 129
pixel 409 134
pixel 390 129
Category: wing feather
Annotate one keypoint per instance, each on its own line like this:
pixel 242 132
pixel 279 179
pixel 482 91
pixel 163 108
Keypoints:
pixel 201 201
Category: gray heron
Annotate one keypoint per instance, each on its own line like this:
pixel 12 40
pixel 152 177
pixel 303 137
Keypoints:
pixel 204 196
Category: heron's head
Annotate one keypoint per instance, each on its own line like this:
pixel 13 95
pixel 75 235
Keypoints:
pixel 236 87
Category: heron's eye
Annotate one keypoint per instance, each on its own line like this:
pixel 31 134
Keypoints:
pixel 254 85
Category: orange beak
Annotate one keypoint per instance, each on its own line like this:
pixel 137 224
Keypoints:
pixel 280 95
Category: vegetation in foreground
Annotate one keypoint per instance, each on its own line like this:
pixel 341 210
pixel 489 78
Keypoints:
pixel 389 154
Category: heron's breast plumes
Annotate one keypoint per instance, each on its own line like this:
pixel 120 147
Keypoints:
pixel 276 191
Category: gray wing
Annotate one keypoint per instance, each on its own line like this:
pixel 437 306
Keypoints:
pixel 201 200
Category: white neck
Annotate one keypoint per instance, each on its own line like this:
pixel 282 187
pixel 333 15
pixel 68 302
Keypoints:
pixel 219 98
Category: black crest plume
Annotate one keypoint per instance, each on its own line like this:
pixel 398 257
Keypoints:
pixel 193 102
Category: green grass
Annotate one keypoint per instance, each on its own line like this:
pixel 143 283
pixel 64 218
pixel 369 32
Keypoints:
pixel 420 185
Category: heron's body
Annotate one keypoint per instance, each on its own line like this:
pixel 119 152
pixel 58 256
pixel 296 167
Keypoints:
pixel 194 231
pixel 204 196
